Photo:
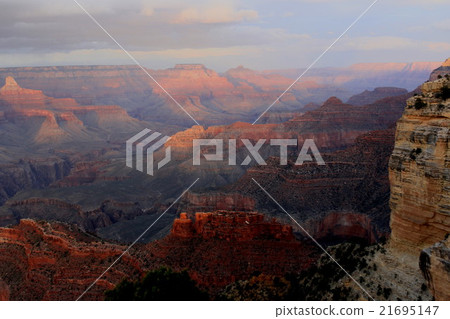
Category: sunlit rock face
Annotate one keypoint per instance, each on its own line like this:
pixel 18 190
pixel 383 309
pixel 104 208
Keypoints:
pixel 419 171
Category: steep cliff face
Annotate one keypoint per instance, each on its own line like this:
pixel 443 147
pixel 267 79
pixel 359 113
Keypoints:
pixel 31 173
pixel 419 171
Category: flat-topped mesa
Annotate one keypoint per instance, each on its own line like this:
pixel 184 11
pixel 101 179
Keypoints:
pixel 234 226
pixel 190 67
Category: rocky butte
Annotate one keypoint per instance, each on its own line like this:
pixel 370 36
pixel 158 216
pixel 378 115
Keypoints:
pixel 419 172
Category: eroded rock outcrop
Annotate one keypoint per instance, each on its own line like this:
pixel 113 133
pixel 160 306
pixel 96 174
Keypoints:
pixel 419 171
pixel 221 247
pixel 53 261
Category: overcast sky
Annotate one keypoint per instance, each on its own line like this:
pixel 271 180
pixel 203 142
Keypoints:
pixel 259 34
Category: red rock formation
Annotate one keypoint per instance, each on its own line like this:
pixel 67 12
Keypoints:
pixel 50 120
pixel 43 261
pixel 4 291
pixel 235 226
pixel 212 98
pixel 53 261
pixel 221 247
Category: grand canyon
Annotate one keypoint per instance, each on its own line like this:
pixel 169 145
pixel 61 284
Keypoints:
pixel 70 207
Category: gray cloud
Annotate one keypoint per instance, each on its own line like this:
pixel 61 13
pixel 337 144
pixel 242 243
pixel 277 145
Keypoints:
pixel 221 33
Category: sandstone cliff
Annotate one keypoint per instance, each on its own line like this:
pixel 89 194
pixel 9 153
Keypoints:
pixel 419 171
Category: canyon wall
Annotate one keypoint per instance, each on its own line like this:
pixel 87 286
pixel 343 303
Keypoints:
pixel 350 191
pixel 419 172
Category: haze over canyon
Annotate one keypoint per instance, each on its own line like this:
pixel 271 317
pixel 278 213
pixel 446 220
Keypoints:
pixel 70 206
